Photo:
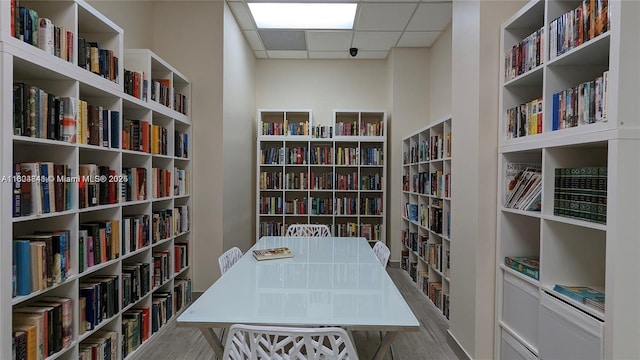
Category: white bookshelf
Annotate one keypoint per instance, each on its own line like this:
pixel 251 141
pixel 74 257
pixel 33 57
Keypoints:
pixel 346 187
pixel 574 247
pixel 26 63
pixel 426 187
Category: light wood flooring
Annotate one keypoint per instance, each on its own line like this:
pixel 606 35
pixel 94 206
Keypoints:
pixel 430 342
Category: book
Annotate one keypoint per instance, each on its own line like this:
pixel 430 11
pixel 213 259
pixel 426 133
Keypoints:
pixel 272 253
pixel 527 265
pixel 580 293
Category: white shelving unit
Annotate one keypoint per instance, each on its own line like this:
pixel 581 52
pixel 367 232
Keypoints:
pixel 25 63
pixel 585 245
pixel 338 181
pixel 426 194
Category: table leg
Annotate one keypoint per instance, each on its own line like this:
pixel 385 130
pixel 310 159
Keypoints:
pixel 385 345
pixel 213 341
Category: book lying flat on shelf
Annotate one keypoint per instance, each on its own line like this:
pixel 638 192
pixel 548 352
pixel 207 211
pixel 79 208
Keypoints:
pixel 527 265
pixel 273 253
pixel 582 294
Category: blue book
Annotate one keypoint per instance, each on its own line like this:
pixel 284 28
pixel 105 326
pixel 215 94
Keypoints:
pixel 46 204
pixel 115 129
pixel 580 293
pixel 22 256
pixel 88 291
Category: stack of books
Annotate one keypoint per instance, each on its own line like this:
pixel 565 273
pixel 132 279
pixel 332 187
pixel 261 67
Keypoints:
pixel 583 294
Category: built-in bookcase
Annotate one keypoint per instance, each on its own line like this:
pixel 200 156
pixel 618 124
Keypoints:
pixel 322 174
pixel 113 216
pixel 426 195
pixel 567 145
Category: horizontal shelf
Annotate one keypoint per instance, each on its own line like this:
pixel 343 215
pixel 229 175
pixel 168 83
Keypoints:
pixel 134 202
pixel 576 222
pixel 88 333
pixel 584 308
pixel 43 216
pixel 61 352
pixel 99 207
pixel 182 271
pixel 160 242
pixel 566 137
pixel 532 77
pixel 134 252
pixel 535 214
pixel 94 268
pixel 135 302
pixel 519 275
pixel 41 142
pixel 22 298
pixel 594 51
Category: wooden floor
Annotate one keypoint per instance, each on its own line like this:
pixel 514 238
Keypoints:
pixel 431 342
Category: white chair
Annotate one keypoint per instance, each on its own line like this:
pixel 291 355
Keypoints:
pixel 229 258
pixel 283 343
pixel 382 252
pixel 311 230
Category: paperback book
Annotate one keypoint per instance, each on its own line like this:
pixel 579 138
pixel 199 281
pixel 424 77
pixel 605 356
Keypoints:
pixel 273 253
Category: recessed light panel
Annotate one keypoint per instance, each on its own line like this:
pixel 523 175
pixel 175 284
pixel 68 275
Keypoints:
pixel 303 15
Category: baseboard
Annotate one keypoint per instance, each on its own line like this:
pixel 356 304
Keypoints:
pixel 394 264
pixel 456 347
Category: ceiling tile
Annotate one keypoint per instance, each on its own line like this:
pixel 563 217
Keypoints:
pixel 371 55
pixel 242 15
pixel 328 54
pixel 254 40
pixel 418 39
pixel 329 40
pixel 283 39
pixel 431 17
pixel 375 40
pixel 384 17
pixel 260 54
pixel 283 54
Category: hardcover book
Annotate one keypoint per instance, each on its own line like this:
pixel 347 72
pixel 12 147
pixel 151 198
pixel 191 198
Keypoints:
pixel 273 253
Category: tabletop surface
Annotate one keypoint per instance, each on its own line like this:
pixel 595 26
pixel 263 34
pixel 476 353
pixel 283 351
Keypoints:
pixel 328 281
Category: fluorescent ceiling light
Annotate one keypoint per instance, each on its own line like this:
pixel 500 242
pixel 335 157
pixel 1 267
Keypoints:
pixel 303 15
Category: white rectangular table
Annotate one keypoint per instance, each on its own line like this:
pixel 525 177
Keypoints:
pixel 329 281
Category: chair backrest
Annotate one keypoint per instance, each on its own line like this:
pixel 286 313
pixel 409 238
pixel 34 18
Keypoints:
pixel 382 252
pixel 311 230
pixel 229 258
pixel 271 342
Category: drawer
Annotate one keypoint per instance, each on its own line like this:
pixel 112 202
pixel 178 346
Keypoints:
pixel 512 349
pixel 568 333
pixel 520 304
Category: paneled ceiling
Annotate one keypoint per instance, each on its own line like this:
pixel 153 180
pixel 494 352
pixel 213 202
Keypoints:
pixel 379 26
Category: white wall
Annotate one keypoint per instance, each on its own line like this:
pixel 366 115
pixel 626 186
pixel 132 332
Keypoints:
pixel 440 75
pixel 410 88
pixel 176 31
pixel 238 137
pixel 475 66
pixel 322 85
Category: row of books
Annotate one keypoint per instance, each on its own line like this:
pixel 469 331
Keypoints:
pixel 43 328
pixel 102 345
pixel 161 267
pixel 136 328
pixel 182 182
pixel 577 26
pixel 346 156
pixel 97 185
pixel 181 255
pixel 181 145
pixel 97 126
pixel 524 119
pixel 364 129
pixel 40 260
pixel 40 188
pixel 135 188
pixel 372 156
pixel 141 135
pixel 101 299
pixel 98 60
pixel 523 186
pixel 161 225
pixel 584 104
pixel 161 183
pixel 371 181
pixel 525 55
pixel 136 282
pixel 99 242
pixel 581 193
pixel 322 206
pixel 436 214
pixel 136 84
pixel 345 206
pixel 37 113
pixel 28 26
pixel 322 155
pixel 165 94
pixel 135 232
pixel 348 181
pixel 371 206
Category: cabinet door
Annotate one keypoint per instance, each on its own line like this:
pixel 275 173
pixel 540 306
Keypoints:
pixel 568 333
